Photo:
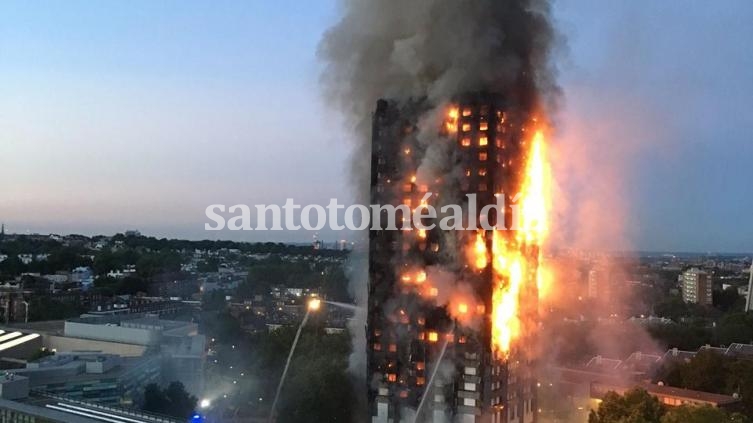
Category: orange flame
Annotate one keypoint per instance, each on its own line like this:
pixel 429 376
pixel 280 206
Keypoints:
pixel 516 259
pixel 479 251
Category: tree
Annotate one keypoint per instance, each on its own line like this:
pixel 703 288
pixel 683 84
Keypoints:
pixel 12 266
pixel 728 300
pixel 636 406
pixel 155 401
pixel 318 387
pixel 47 308
pixel 182 404
pixel 213 300
pixel 211 265
pixel 705 372
pixel 706 414
pixel 173 401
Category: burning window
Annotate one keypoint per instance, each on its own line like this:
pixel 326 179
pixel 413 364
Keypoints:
pixel 482 171
pixel 420 381
pixel 465 142
pixel 393 348
pixel 404 394
pixel 407 187
pixel 377 347
pixel 407 201
pixel 421 276
pixel 421 321
pixel 391 377
pixel 466 127
pixel 421 336
pixel 483 126
pixel 483 141
pixel 468 172
pixel 499 143
pixel 462 340
pixel 424 188
pixel 482 156
pixel 435 247
pixel 467 111
pixel 433 336
pixel 420 365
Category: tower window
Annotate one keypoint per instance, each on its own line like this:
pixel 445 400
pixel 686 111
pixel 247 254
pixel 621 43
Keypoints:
pixel 467 111
pixel 483 141
pixel 482 156
pixel 465 142
pixel 466 127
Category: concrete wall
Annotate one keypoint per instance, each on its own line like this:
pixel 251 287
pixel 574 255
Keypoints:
pixel 112 333
pixel 15 388
pixel 65 344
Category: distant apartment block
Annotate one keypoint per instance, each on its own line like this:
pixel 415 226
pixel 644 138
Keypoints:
pixel 697 287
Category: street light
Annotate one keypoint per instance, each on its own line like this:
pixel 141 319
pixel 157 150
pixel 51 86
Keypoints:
pixel 314 304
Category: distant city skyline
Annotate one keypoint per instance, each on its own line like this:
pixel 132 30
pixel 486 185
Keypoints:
pixel 139 115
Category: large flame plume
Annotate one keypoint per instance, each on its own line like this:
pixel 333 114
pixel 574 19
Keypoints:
pixel 516 261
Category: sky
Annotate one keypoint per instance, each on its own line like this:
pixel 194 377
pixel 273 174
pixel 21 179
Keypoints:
pixel 140 114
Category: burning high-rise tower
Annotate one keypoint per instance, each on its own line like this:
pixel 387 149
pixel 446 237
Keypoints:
pixel 452 314
pixel 466 88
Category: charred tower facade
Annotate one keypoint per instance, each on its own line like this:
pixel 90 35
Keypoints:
pixel 443 343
